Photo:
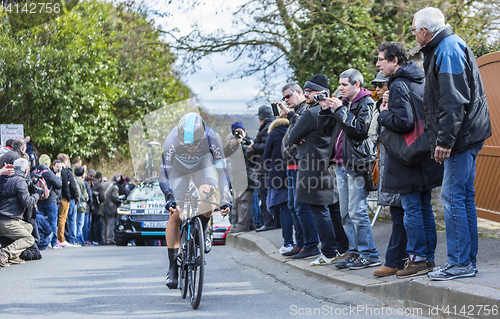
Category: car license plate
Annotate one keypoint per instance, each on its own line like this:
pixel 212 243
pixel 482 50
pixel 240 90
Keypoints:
pixel 154 224
pixel 218 235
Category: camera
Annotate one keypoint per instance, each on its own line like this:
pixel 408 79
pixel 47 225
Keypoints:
pixel 321 96
pixel 238 135
pixel 32 188
pixel 276 111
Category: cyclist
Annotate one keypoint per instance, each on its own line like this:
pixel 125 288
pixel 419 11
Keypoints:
pixel 194 152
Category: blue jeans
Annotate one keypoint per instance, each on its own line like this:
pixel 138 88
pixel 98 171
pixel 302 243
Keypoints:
pixel 256 214
pixel 396 248
pixel 86 227
pixel 71 220
pixel 419 224
pixel 50 211
pixel 324 226
pixel 286 223
pixel 353 204
pixel 299 233
pixel 80 222
pixel 460 216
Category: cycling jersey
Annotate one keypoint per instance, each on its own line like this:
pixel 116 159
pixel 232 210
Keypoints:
pixel 177 158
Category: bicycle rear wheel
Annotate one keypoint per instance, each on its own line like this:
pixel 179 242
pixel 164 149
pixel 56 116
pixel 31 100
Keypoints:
pixel 196 255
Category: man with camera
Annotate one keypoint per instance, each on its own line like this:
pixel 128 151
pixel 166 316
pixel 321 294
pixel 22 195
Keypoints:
pixel 15 198
pixel 243 181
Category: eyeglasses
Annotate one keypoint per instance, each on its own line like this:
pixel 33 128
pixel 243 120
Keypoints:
pixel 381 59
pixel 307 91
pixel 412 30
pixel 287 96
pixel 379 85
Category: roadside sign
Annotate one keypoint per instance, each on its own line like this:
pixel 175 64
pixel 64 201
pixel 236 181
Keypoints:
pixel 11 131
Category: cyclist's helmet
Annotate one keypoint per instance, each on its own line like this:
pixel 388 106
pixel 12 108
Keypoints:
pixel 191 130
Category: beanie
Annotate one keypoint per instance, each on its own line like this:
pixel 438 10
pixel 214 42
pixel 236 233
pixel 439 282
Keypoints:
pixel 44 160
pixel 319 82
pixel 265 112
pixel 237 125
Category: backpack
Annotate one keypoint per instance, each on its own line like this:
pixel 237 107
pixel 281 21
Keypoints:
pixel 41 183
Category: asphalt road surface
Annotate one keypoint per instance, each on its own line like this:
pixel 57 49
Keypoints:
pixel 129 282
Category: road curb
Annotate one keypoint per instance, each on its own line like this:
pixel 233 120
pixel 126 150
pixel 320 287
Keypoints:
pixel 463 300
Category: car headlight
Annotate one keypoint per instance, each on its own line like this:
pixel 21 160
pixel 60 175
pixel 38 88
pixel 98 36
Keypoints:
pixel 123 212
pixel 123 218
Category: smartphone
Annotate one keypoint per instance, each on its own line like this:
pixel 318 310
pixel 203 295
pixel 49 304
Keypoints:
pixel 276 110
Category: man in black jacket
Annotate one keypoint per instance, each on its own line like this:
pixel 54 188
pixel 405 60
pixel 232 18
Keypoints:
pixel 457 122
pixel 18 150
pixel 266 117
pixel 15 198
pixel 348 121
pixel 48 206
pixel 402 112
pixel 68 193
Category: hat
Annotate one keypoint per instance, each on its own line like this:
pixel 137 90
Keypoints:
pixel 265 112
pixel 44 160
pixel 237 125
pixel 128 179
pixel 380 78
pixel 319 82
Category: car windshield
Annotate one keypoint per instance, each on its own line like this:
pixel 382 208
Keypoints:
pixel 145 191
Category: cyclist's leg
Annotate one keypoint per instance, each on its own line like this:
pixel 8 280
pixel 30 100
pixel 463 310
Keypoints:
pixel 206 182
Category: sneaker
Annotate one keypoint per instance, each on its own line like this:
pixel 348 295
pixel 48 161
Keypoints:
pixel 323 260
pixel 385 271
pixel 56 246
pixel 306 253
pixel 4 260
pixel 296 249
pixel 16 261
pixel 67 245
pixel 208 241
pixel 361 263
pixel 347 262
pixel 448 272
pixel 413 269
pixel 286 248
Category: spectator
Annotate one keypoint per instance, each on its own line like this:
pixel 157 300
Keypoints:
pixel 89 181
pixel 29 151
pixel 67 207
pixel 14 200
pixel 130 186
pixel 57 168
pixel 315 185
pixel 18 151
pixel 413 183
pixel 457 123
pixel 81 206
pixel 348 121
pixel 98 196
pixel 277 197
pixel 48 206
pixel 44 230
pixel 266 117
pixel 306 235
pixel 7 147
pixel 110 208
pixel 242 183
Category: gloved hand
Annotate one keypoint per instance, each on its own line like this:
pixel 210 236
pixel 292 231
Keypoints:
pixel 171 204
pixel 38 191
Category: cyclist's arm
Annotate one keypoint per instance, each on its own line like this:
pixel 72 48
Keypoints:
pixel 166 166
pixel 220 164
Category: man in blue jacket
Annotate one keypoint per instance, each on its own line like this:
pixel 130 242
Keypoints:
pixel 457 123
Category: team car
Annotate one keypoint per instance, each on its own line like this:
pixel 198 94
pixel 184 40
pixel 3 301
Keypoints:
pixel 142 216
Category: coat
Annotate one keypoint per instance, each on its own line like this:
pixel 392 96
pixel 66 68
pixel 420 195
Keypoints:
pixel 260 144
pixel 272 158
pixel 53 183
pixel 315 185
pixel 111 202
pixel 68 190
pixel 239 169
pixel 15 197
pixel 456 111
pixel 400 117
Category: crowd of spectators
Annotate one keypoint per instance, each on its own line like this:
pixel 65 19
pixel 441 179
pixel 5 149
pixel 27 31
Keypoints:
pixel 311 163
pixel 55 204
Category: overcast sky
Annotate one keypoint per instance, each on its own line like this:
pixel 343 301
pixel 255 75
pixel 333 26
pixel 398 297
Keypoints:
pixel 233 96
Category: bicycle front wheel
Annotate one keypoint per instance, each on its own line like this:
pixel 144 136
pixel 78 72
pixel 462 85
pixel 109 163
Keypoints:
pixel 196 255
pixel 183 267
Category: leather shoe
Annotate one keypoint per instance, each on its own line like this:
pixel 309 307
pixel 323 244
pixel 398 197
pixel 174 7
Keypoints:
pixel 237 229
pixel 385 271
pixel 264 228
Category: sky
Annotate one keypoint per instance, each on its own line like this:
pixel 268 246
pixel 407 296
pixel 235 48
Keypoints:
pixel 233 96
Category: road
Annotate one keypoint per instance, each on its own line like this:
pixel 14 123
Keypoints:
pixel 128 282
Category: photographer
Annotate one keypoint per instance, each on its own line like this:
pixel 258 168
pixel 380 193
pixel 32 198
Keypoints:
pixel 14 200
pixel 241 178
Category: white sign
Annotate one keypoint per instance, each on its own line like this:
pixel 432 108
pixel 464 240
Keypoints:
pixel 11 131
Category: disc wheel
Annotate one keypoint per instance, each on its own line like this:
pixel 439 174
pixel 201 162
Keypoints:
pixel 196 256
pixel 183 270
